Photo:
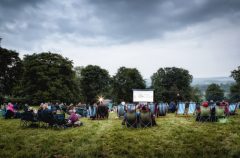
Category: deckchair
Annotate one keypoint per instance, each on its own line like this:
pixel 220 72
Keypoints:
pixel 2 113
pixel 191 109
pixel 151 107
pixel 232 109
pixel 131 116
pixel 181 108
pixel 120 110
pixel 110 106
pixel 205 114
pixel 162 109
pixel 92 111
pixel 145 119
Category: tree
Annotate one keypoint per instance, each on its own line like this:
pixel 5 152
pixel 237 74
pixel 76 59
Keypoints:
pixel 214 92
pixel 171 84
pixel 235 88
pixel 10 71
pixel 235 93
pixel 78 71
pixel 125 81
pixel 49 77
pixel 196 95
pixel 236 75
pixel 94 82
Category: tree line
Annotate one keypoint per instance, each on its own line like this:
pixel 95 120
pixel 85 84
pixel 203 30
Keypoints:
pixel 50 77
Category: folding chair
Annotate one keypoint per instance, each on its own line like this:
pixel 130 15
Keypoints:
pixel 131 116
pixel 145 119
pixel 92 111
pixel 82 111
pixel 205 114
pixel 120 110
pixel 181 109
pixel 219 113
pixel 232 109
pixel 151 107
pixel 2 113
pixel 102 112
pixel 191 109
pixel 162 109
pixel 27 119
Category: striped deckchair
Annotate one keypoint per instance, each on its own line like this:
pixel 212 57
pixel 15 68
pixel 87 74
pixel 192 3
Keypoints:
pixel 181 108
pixel 192 108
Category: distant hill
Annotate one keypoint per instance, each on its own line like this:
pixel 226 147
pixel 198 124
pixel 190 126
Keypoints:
pixel 217 80
pixel 205 81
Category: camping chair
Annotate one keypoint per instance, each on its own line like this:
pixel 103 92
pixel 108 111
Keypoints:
pixel 191 109
pixel 205 114
pixel 59 120
pixel 181 109
pixel 120 110
pixel 46 118
pixel 162 109
pixel 219 113
pixel 27 119
pixel 145 119
pixel 151 107
pixel 92 112
pixel 2 113
pixel 81 111
pixel 102 111
pixel 110 106
pixel 232 109
pixel 131 116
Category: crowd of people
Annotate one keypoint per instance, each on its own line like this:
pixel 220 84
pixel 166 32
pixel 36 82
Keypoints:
pixel 212 106
pixel 45 110
pixel 51 110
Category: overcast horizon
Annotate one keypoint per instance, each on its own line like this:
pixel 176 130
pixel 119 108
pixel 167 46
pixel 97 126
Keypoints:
pixel 201 36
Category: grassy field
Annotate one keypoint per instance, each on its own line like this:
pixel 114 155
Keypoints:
pixel 173 137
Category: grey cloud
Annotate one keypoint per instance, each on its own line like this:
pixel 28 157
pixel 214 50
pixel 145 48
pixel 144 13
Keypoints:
pixel 119 21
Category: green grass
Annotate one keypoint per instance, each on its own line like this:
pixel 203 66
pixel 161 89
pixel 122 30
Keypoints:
pixel 173 137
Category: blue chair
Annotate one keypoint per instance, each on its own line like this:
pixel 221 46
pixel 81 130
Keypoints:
pixel 110 106
pixel 181 108
pixel 162 109
pixel 232 109
pixel 2 113
pixel 92 111
pixel 131 116
pixel 82 112
pixel 151 107
pixel 120 110
pixel 145 119
pixel 192 108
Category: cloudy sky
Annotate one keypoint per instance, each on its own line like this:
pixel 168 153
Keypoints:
pixel 202 36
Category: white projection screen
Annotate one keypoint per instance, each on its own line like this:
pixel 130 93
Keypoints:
pixel 142 95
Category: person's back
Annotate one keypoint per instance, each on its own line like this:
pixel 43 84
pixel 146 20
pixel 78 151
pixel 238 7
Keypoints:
pixel 73 117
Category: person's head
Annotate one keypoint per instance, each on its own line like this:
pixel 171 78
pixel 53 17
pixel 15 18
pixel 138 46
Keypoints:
pixel 45 106
pixel 205 104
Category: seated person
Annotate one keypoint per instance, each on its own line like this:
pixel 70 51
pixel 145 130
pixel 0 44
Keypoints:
pixel 46 115
pixel 172 107
pixel 73 119
pixel 131 110
pixel 145 109
pixel 204 104
pixel 10 111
